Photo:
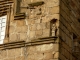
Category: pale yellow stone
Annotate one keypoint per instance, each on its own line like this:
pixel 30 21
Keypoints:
pixel 56 55
pixel 23 36
pixel 39 26
pixel 52 3
pixel 54 10
pixel 32 34
pixel 39 32
pixel 46 33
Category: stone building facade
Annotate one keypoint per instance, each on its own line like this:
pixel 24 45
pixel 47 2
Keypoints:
pixel 41 30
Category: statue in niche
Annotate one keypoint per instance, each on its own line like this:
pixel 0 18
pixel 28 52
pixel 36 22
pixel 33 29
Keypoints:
pixel 53 27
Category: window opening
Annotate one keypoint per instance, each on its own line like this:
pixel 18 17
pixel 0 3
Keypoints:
pixel 2 28
pixel 74 36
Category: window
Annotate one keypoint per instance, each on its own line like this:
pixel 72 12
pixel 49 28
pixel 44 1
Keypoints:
pixel 2 28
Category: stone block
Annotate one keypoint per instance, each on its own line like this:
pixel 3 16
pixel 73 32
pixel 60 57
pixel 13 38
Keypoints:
pixel 56 55
pixel 30 21
pixel 54 16
pixel 12 29
pixel 21 29
pixel 54 10
pixel 22 36
pixel 45 47
pixel 52 3
pixel 45 11
pixel 11 58
pixel 13 37
pixel 20 23
pixel 24 1
pixel 11 53
pixel 39 26
pixel 17 52
pixel 39 33
pixel 33 27
pixel 24 28
pixel 56 47
pixel 48 25
pixel 48 56
pixel 32 16
pixel 31 50
pixel 32 34
pixel 38 56
pixel 18 29
pixel 46 33
pixel 43 25
pixel 20 58
pixel 35 56
pixel 6 40
pixel 3 54
pixel 45 19
pixel 38 21
pixel 48 18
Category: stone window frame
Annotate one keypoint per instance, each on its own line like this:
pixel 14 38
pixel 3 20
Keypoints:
pixel 8 17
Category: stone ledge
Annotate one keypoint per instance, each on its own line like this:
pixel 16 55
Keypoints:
pixel 19 44
pixel 19 16
pixel 38 3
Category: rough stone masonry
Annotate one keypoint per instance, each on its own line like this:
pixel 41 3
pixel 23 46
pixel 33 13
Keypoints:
pixel 44 20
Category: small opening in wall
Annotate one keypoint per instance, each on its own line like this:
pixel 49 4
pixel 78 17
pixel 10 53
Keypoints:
pixel 74 36
pixel 78 20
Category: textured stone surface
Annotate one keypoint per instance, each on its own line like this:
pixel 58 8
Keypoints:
pixel 37 24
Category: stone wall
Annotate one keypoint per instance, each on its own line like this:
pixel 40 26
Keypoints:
pixel 12 54
pixel 69 28
pixel 39 52
pixel 37 21
pixel 43 52
pixel 53 18
pixel 40 22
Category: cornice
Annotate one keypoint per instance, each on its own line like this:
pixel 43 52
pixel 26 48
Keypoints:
pixel 19 44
